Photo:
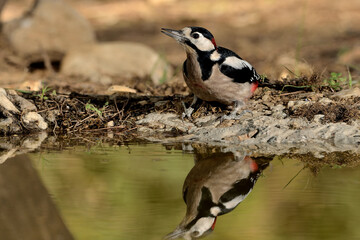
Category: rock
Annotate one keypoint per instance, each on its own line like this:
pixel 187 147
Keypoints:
pixel 121 89
pixel 21 145
pixel 24 104
pixel 116 59
pixel 278 112
pixel 297 104
pixel 348 93
pixel 18 113
pixel 248 135
pixel 344 135
pixel 325 101
pixel 34 121
pixel 5 103
pixel 52 27
pixel 166 121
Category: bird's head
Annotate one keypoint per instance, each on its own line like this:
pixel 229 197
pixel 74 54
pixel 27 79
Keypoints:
pixel 193 230
pixel 201 214
pixel 193 38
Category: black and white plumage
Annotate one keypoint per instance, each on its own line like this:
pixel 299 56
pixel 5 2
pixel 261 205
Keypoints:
pixel 214 73
pixel 215 186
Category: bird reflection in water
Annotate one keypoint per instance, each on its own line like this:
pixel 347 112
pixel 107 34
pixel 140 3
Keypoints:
pixel 214 186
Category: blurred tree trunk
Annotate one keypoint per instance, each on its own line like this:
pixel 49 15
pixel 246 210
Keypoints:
pixel 2 5
pixel 26 209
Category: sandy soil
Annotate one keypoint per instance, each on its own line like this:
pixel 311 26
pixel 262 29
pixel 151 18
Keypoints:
pixel 305 36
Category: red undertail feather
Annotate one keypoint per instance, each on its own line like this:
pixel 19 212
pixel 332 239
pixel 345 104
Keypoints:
pixel 254 86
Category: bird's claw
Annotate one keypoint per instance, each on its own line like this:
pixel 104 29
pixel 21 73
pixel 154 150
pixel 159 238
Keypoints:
pixel 187 112
pixel 234 116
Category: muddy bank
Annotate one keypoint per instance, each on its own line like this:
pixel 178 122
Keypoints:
pixel 277 123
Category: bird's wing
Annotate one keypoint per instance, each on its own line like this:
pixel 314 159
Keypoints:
pixel 236 68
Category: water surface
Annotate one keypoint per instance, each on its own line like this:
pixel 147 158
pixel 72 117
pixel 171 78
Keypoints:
pixel 135 192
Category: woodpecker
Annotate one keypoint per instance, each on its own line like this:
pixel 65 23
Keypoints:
pixel 214 186
pixel 214 73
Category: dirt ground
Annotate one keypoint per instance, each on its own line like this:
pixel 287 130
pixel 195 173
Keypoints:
pixel 300 35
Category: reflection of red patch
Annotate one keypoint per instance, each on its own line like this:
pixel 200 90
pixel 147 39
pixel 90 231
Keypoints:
pixel 253 166
pixel 213 225
pixel 199 85
pixel 254 86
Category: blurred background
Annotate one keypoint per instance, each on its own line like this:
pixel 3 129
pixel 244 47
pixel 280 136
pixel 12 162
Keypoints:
pixel 280 38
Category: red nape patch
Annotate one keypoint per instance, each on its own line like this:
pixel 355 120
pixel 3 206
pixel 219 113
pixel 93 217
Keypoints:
pixel 213 226
pixel 254 86
pixel 213 42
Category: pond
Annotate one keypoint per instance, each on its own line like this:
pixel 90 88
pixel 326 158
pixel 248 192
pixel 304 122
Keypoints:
pixel 136 191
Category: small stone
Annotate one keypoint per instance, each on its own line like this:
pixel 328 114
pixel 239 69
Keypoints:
pixel 318 118
pixel 348 93
pixel 110 124
pixel 120 88
pixel 291 104
pixel 325 100
pixel 248 135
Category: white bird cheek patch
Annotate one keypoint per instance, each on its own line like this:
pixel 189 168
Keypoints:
pixel 203 44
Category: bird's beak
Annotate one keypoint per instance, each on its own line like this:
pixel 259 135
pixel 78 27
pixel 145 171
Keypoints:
pixel 177 233
pixel 178 35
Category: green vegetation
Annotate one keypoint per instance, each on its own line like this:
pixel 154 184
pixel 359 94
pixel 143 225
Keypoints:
pixel 99 112
pixel 92 108
pixel 336 81
pixel 42 94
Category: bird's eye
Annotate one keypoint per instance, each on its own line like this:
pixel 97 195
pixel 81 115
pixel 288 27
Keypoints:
pixel 195 233
pixel 195 35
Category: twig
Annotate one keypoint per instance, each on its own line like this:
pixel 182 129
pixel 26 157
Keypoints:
pixel 294 177
pixel 79 123
pixel 291 93
pixel 106 128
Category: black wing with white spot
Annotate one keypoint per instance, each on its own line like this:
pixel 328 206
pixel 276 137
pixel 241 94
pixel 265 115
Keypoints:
pixel 236 68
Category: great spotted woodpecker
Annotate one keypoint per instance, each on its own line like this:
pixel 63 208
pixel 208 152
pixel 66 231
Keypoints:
pixel 214 186
pixel 214 73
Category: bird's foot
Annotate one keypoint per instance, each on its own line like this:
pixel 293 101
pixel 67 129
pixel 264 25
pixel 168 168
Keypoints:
pixel 234 115
pixel 187 112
